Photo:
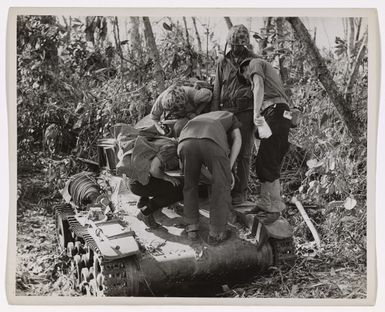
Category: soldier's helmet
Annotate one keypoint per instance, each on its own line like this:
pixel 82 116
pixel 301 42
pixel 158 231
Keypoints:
pixel 175 99
pixel 238 35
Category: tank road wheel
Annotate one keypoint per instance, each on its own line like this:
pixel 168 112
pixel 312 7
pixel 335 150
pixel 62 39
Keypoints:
pixel 98 276
pixel 86 260
pixel 84 286
pixel 79 248
pixel 94 288
pixel 70 249
pixel 132 276
pixel 100 282
pixel 78 269
pixel 85 275
pixel 62 231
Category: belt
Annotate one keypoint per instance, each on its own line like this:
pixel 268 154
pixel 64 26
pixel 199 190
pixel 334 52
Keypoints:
pixel 238 104
pixel 272 101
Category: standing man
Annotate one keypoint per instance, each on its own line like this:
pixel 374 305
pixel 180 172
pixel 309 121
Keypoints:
pixel 233 95
pixel 205 141
pixel 271 110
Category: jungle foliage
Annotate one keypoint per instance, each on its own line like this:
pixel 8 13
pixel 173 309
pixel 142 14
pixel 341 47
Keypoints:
pixel 76 78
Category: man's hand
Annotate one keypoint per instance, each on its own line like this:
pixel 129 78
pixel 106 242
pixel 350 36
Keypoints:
pixel 159 128
pixel 258 121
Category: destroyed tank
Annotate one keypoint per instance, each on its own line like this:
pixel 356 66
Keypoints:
pixel 112 253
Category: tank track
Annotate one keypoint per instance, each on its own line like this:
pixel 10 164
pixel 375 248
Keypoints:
pixel 283 251
pixel 91 274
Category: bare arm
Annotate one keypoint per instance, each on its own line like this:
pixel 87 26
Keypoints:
pixel 235 146
pixel 157 172
pixel 156 113
pixel 258 92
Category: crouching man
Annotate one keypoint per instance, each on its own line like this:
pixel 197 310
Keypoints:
pixel 272 118
pixel 204 141
pixel 181 103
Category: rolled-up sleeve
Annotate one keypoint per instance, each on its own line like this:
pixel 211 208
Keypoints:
pixel 257 68
pixel 202 96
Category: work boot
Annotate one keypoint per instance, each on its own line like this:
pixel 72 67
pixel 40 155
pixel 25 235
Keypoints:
pixel 142 202
pixel 192 232
pixel 264 202
pixel 276 201
pixel 148 220
pixel 267 210
pixel 215 238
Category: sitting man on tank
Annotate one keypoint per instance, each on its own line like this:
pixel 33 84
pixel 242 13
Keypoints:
pixel 144 161
pixel 180 103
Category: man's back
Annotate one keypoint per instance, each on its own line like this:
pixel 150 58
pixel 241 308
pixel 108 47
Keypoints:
pixel 213 126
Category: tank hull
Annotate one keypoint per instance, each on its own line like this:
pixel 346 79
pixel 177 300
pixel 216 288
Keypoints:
pixel 166 259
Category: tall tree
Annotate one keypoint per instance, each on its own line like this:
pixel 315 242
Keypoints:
pixel 118 46
pixel 136 45
pixel 154 53
pixel 187 33
pixel 197 34
pixel 354 125
pixel 280 47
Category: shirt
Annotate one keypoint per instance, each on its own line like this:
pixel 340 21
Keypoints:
pixel 273 86
pixel 195 98
pixel 227 87
pixel 214 126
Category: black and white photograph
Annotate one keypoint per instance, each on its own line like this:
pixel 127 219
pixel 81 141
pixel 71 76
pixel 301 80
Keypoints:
pixel 192 155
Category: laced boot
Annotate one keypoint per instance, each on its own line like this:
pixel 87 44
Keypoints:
pixel 192 232
pixel 215 238
pixel 148 220
pixel 266 210
pixel 276 201
pixel 142 202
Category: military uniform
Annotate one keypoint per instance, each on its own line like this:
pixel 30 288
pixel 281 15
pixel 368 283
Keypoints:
pixel 204 141
pixel 181 103
pixel 234 95
pixel 276 112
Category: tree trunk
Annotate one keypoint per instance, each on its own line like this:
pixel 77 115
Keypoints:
pixel 136 45
pixel 154 53
pixel 197 35
pixel 354 126
pixel 280 45
pixel 228 22
pixel 90 29
pixel 359 22
pixel 354 70
pixel 351 39
pixel 199 70
pixel 117 41
pixel 186 30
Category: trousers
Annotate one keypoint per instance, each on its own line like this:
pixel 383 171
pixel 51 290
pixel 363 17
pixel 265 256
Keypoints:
pixel 197 152
pixel 244 157
pixel 162 193
pixel 273 149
